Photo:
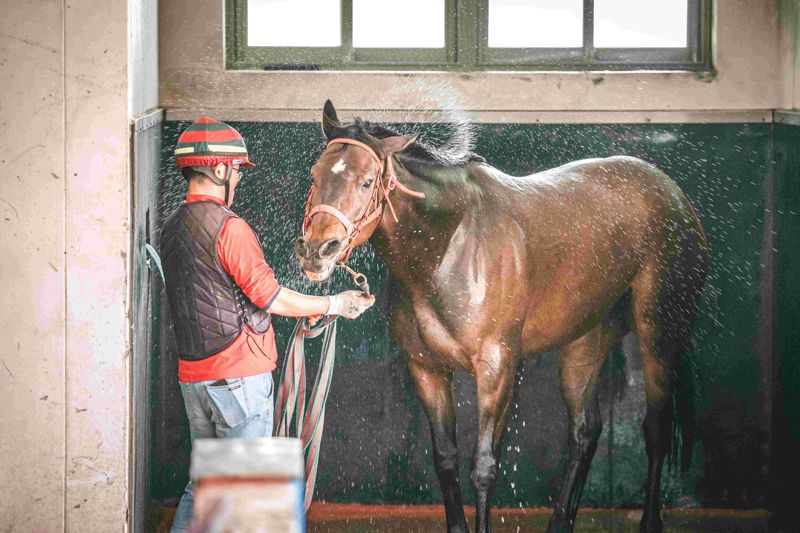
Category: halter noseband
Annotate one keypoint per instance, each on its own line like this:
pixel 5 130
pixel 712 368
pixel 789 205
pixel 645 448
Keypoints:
pixel 374 209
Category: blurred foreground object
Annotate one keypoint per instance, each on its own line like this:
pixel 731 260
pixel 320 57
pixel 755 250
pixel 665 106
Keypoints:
pixel 248 485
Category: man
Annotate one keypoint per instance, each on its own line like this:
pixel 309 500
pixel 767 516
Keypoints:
pixel 221 293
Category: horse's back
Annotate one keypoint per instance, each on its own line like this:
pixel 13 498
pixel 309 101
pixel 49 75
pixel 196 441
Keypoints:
pixel 591 227
pixel 618 202
pixel 624 190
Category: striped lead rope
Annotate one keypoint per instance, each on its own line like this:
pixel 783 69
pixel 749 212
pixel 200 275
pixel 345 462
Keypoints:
pixel 291 402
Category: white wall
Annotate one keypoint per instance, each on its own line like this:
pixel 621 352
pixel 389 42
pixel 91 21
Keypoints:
pixel 64 267
pixel 747 85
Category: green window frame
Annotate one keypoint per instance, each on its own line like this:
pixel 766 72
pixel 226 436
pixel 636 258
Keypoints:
pixel 466 47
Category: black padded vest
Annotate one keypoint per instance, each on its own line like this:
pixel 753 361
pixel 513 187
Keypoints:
pixel 207 307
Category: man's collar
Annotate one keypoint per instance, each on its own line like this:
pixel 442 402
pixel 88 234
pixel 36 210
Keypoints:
pixel 191 198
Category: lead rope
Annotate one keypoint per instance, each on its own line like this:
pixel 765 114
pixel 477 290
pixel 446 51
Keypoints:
pixel 291 410
pixel 291 401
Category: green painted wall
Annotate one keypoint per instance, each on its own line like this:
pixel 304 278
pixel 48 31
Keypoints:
pixel 376 446
pixel 785 461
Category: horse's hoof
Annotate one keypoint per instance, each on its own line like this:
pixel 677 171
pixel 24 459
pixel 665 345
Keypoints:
pixel 458 528
pixel 559 524
pixel 651 525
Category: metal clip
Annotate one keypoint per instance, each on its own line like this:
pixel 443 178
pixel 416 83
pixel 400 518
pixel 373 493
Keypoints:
pixel 358 278
pixel 362 283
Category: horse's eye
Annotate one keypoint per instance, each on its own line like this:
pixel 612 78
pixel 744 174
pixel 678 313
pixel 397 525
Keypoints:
pixel 367 184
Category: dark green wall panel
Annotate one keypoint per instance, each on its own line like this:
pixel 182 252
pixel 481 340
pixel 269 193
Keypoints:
pixel 785 438
pixel 376 446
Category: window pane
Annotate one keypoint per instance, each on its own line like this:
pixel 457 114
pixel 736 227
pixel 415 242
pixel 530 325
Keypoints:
pixel 536 23
pixel 294 23
pixel 640 23
pixel 398 23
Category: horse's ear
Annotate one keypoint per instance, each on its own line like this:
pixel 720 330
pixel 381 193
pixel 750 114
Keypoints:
pixel 330 122
pixel 392 145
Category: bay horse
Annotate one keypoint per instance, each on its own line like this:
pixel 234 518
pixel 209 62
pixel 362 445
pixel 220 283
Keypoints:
pixel 492 269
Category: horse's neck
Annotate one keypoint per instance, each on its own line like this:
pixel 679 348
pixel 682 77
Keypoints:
pixel 449 190
pixel 414 246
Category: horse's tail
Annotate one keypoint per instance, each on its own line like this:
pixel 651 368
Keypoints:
pixel 684 390
pixel 683 405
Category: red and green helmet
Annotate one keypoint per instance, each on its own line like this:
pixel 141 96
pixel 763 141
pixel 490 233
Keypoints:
pixel 208 142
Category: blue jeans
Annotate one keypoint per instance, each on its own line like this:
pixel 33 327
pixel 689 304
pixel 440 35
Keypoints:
pixel 242 407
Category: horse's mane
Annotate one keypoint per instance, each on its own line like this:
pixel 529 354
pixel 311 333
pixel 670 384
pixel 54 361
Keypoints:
pixel 456 154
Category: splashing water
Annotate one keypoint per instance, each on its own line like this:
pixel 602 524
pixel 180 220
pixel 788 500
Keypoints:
pixel 721 167
pixel 453 136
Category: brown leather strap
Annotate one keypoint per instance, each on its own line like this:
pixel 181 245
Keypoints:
pixel 329 209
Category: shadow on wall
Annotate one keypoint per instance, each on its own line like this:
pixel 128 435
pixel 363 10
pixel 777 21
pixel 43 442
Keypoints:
pixel 377 449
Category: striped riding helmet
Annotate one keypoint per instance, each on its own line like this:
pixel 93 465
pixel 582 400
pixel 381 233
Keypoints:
pixel 208 142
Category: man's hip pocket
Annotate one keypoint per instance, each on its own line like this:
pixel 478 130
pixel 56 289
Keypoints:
pixel 228 403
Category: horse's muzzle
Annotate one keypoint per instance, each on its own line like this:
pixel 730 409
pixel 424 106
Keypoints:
pixel 317 262
pixel 326 251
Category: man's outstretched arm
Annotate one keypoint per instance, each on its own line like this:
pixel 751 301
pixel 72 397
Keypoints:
pixel 241 256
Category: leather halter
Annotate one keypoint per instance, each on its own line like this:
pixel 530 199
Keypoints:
pixel 375 207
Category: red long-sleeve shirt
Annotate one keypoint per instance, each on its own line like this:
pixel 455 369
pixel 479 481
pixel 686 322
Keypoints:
pixel 241 257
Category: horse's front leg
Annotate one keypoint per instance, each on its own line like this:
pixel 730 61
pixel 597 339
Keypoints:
pixel 495 372
pixel 435 391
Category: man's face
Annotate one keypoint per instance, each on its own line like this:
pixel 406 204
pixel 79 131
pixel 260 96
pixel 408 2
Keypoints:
pixel 221 171
pixel 235 176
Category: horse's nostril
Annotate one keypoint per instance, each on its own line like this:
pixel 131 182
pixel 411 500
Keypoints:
pixel 301 248
pixel 330 248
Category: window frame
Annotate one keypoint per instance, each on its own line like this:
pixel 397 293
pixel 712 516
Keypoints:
pixel 466 47
pixel 344 57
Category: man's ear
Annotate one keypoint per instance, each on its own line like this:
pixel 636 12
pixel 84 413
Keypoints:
pixel 220 171
pixel 393 145
pixel 330 122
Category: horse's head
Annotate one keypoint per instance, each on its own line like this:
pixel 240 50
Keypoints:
pixel 347 193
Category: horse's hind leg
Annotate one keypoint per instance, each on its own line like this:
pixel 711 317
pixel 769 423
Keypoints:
pixel 579 365
pixel 664 306
pixel 435 391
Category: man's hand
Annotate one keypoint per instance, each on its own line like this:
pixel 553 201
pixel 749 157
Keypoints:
pixel 349 304
pixel 313 319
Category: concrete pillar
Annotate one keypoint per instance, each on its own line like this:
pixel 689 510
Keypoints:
pixel 97 200
pixel 32 267
pixel 68 95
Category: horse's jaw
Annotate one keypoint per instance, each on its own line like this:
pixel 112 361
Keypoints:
pixel 318 276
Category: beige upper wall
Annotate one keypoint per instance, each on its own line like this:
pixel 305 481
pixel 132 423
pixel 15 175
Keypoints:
pixel 65 236
pixel 746 56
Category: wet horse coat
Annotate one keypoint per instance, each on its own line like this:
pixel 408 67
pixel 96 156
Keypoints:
pixel 491 269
